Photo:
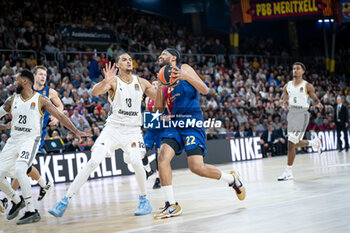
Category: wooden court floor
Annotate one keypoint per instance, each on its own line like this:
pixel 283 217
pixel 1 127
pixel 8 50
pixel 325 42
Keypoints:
pixel 318 200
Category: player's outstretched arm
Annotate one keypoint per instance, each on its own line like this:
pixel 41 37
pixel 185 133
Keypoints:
pixel 57 102
pixel 6 107
pixel 188 74
pixel 148 89
pixel 45 104
pixel 109 72
pixel 311 90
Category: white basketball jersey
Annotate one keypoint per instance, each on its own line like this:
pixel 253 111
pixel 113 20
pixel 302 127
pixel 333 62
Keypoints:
pixel 298 96
pixel 27 118
pixel 126 103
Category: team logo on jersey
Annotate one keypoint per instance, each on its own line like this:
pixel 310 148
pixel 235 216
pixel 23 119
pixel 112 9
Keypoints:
pixel 44 92
pixel 137 88
pixel 133 144
pixel 301 89
pixel 32 105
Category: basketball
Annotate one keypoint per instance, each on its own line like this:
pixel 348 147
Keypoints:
pixel 165 78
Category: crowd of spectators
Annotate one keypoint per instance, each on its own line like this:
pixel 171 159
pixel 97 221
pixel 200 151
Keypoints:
pixel 24 27
pixel 244 92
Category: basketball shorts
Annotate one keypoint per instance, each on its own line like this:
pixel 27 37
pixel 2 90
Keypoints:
pixel 187 138
pixel 18 150
pixel 153 139
pixel 298 120
pixel 127 138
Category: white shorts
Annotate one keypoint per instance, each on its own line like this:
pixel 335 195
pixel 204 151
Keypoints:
pixel 127 138
pixel 18 150
pixel 298 120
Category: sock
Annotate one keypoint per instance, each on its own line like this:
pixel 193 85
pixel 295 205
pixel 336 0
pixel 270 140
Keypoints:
pixel 289 168
pixel 29 204
pixel 169 194
pixel 140 177
pixel 21 174
pixel 97 156
pixel 228 178
pixel 312 143
pixel 5 187
pixel 42 182
pixel 15 198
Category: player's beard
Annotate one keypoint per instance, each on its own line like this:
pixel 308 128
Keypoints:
pixel 165 62
pixel 19 89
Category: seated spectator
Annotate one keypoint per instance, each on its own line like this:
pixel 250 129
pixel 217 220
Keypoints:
pixel 241 133
pixel 319 119
pixel 253 132
pixel 82 89
pixel 82 124
pixel 56 76
pixel 67 100
pixel 212 104
pixel 281 135
pixel 74 146
pixel 96 118
pixel 211 135
pixel 267 142
pixel 89 144
pixel 7 69
pixel 103 60
pixel 96 132
pixel 31 61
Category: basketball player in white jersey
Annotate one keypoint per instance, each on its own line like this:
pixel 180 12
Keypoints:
pixel 40 74
pixel 27 108
pixel 122 129
pixel 296 95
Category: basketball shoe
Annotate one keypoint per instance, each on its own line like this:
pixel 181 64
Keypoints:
pixel 169 211
pixel 44 190
pixel 29 217
pixel 316 144
pixel 15 209
pixel 60 208
pixel 3 205
pixel 144 206
pixel 237 185
pixel 286 175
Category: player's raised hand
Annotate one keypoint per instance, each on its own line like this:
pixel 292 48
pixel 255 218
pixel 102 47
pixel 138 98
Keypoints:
pixel 110 71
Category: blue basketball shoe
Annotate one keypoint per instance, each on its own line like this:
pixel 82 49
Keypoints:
pixel 144 206
pixel 60 208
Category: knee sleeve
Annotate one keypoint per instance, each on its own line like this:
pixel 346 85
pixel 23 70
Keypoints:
pixel 145 160
pixel 29 169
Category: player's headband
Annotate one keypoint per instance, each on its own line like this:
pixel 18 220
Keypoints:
pixel 175 53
